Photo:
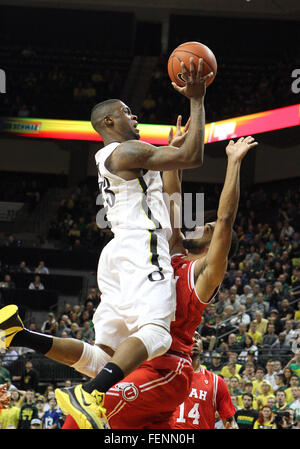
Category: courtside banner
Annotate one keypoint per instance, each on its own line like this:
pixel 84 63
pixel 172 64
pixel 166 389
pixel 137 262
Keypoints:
pixel 156 134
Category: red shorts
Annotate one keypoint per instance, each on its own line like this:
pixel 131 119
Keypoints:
pixel 147 398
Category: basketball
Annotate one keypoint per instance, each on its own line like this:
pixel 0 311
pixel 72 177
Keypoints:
pixel 183 53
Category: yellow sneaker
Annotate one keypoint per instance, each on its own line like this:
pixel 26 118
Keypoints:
pixel 10 325
pixel 86 409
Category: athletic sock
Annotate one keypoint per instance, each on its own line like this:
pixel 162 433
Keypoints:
pixel 33 340
pixel 107 378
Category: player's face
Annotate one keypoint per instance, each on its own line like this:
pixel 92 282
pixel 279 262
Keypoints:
pixel 125 122
pixel 202 236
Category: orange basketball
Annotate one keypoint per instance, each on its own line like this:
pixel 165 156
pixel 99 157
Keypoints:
pixel 183 53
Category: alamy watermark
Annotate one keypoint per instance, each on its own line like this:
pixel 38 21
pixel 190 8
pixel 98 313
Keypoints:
pixel 2 82
pixel 187 210
pixel 296 83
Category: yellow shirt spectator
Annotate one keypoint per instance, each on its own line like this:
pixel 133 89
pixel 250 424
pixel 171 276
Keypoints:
pixel 256 336
pixel 227 371
pixel 9 416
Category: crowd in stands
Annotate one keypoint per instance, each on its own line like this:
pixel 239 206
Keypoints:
pixel 33 403
pixel 75 225
pixel 77 79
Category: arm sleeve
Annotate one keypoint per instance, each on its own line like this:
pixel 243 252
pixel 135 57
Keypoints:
pixel 225 407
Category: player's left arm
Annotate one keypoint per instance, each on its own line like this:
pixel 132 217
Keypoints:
pixel 230 423
pixel 172 189
pixel 210 272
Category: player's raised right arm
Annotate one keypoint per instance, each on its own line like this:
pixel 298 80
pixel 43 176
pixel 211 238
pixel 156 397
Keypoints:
pixel 212 271
pixel 133 154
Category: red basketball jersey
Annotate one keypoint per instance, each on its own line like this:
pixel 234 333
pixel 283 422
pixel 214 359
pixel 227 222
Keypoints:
pixel 189 308
pixel 208 394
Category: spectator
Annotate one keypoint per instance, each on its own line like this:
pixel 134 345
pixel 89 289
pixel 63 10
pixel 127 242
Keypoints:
pixel 11 242
pixel 258 380
pixel 280 401
pixel 248 372
pixel 270 374
pixel 293 382
pixel 234 386
pixel 9 417
pixel 36 284
pixel 246 417
pixel 286 312
pixel 94 296
pixel 41 268
pixel 88 332
pixel 50 326
pixel 274 318
pixel 5 375
pixel 294 363
pixel 288 373
pixel 28 411
pixel 233 300
pixel 261 322
pixel 40 407
pixel 240 336
pixel 265 394
pixel 22 268
pixel 281 347
pixel 295 404
pixel 63 327
pixel 247 292
pixel 36 423
pixel 254 334
pixel 216 363
pixel 265 419
pixel 29 380
pixel 290 333
pixel 249 347
pixel 52 416
pixel 8 283
pixel 243 316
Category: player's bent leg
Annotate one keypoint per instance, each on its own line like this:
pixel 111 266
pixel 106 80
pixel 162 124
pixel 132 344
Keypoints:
pixel 10 325
pixel 156 339
pixel 92 360
pixel 85 408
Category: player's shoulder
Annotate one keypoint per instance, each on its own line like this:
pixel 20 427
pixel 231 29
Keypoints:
pixel 179 260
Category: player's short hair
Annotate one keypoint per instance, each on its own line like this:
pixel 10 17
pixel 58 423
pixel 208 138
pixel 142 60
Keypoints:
pixel 100 110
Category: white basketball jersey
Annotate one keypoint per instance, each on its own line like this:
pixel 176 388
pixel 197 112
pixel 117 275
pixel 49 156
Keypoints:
pixel 134 204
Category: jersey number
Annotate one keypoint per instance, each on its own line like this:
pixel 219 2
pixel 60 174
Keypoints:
pixel 109 194
pixel 193 413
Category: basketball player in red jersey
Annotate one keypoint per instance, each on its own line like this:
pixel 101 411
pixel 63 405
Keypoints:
pixel 148 396
pixel 208 394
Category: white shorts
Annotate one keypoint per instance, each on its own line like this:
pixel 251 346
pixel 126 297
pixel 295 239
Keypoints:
pixel 137 285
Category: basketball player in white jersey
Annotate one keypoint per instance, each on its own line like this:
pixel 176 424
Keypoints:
pixel 135 275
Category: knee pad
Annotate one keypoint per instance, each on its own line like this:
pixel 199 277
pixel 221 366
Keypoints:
pixel 92 360
pixel 156 339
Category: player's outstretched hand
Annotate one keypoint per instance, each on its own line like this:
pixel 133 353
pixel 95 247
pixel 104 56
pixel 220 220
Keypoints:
pixel 180 135
pixel 4 396
pixel 195 86
pixel 238 150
